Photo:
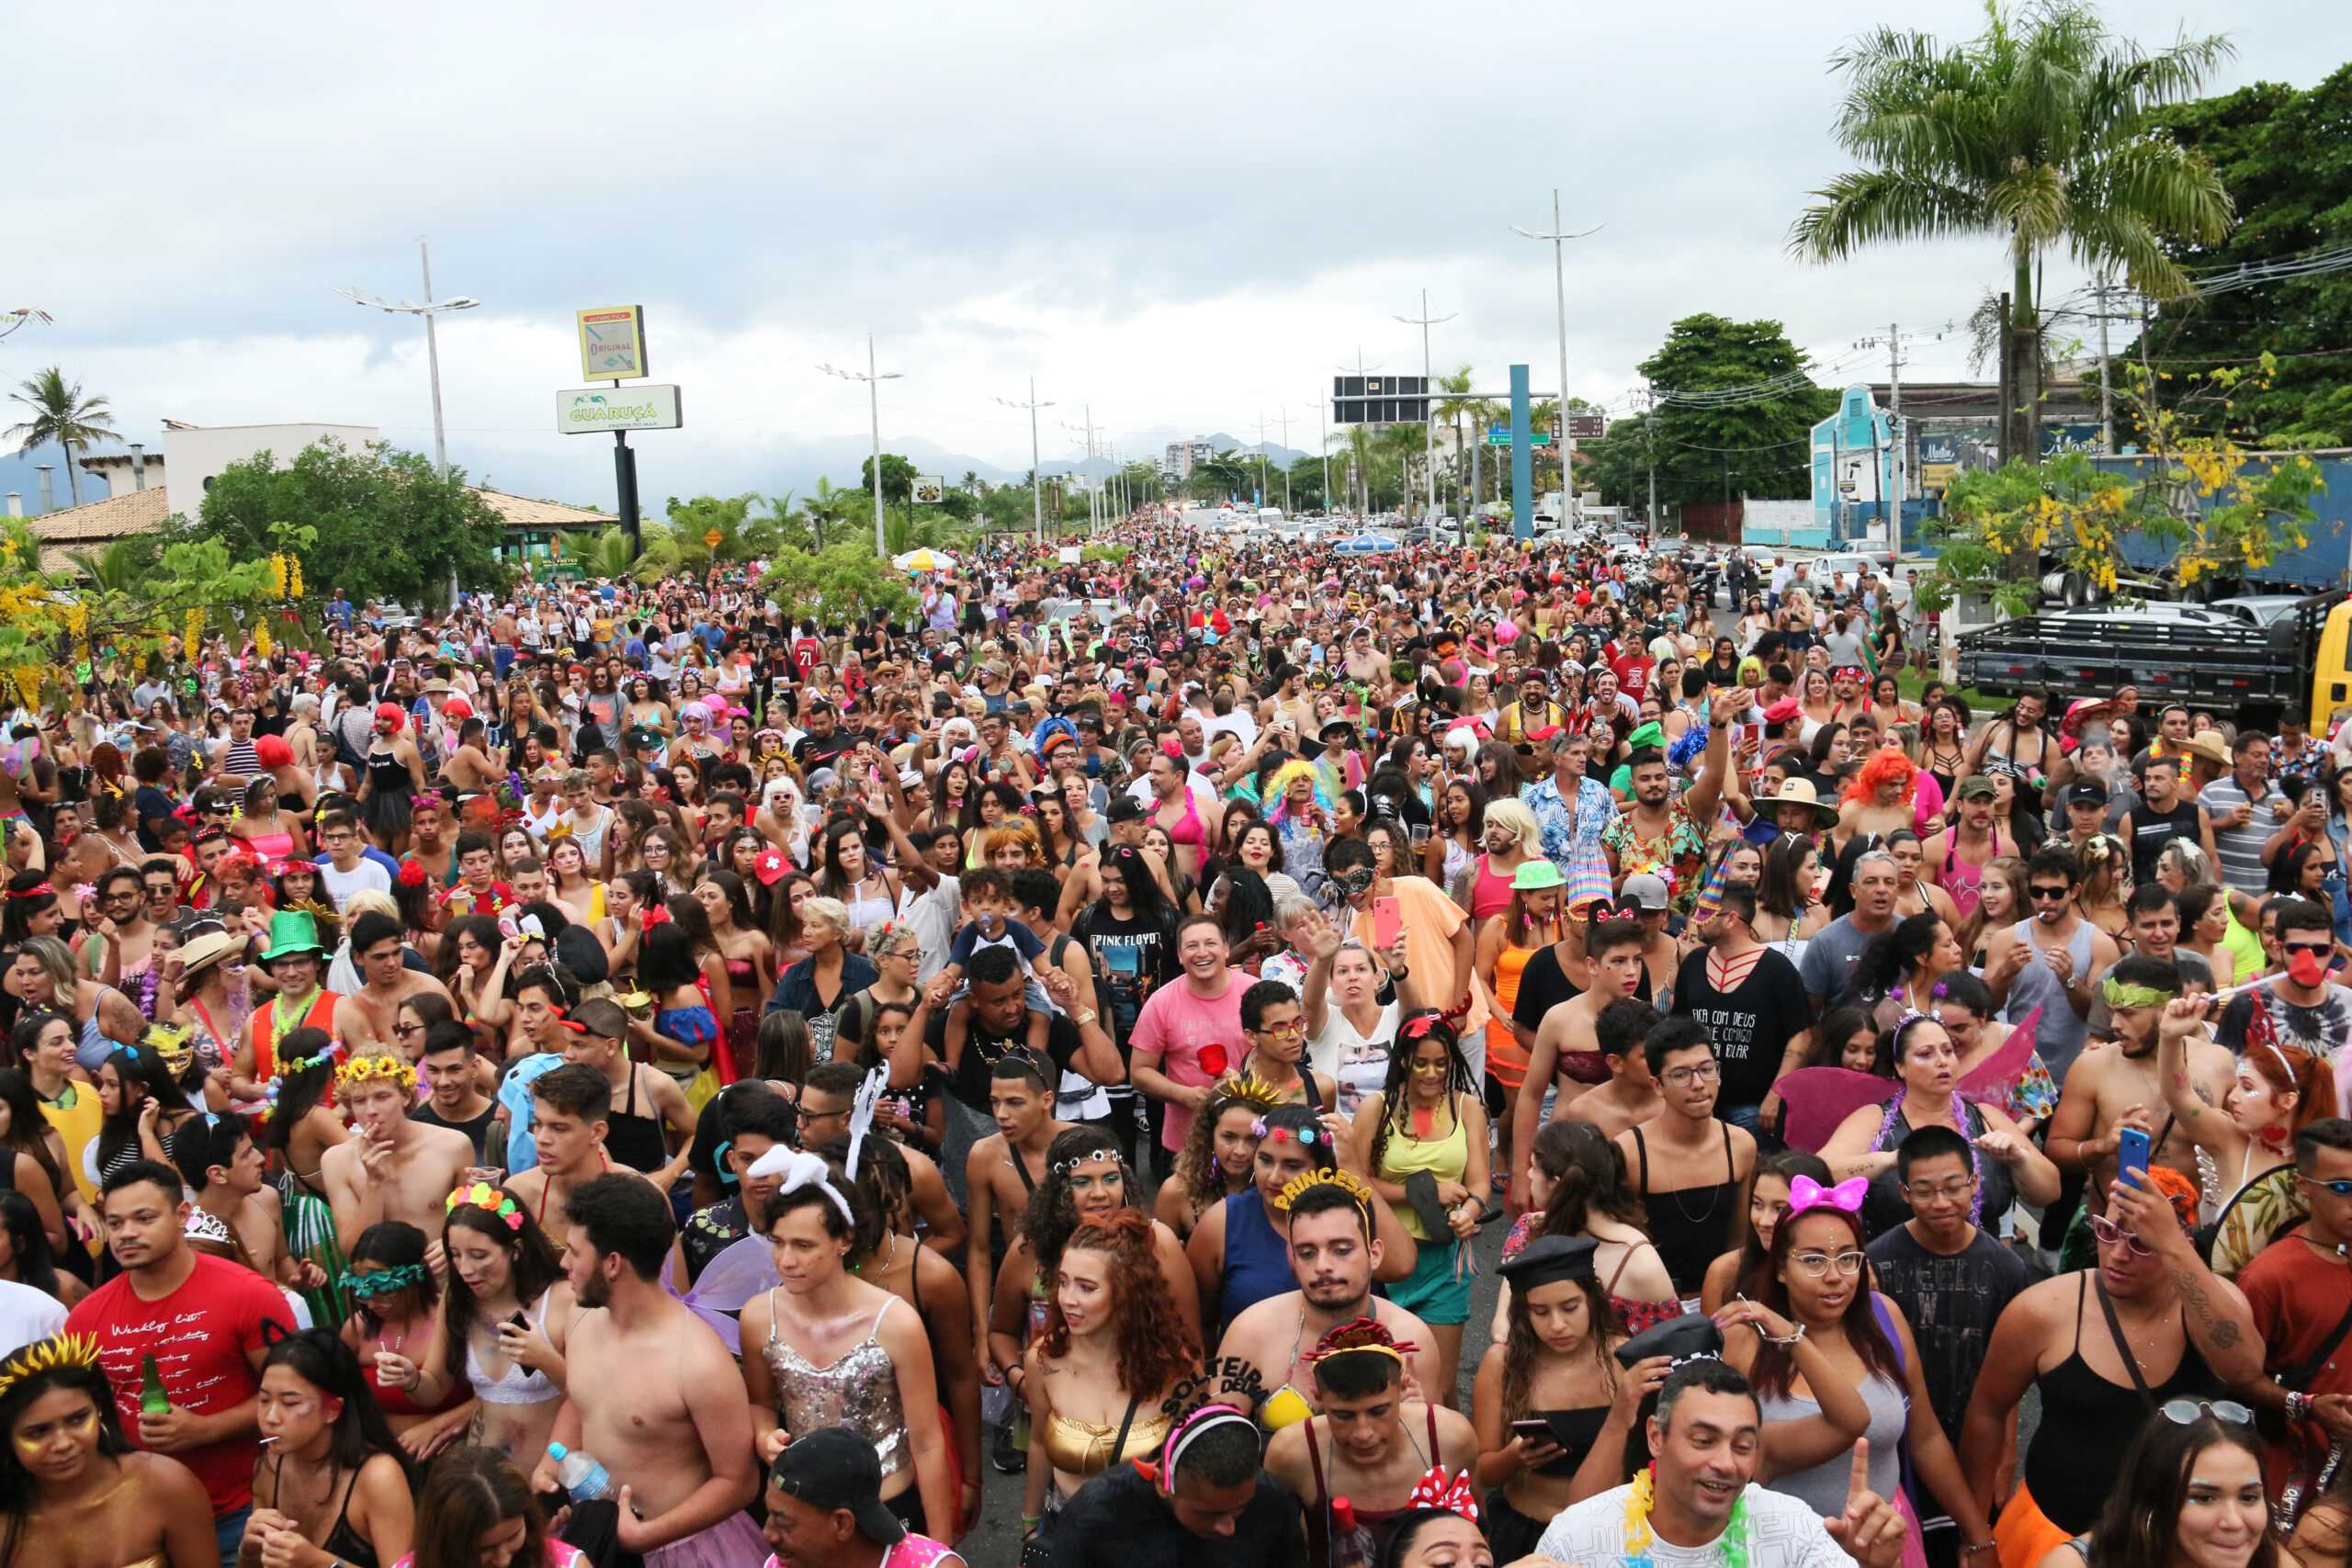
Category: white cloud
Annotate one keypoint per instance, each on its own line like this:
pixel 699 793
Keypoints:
pixel 1188 214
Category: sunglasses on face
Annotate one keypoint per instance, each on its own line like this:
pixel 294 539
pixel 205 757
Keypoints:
pixel 2340 1188
pixel 2108 1233
pixel 2318 949
pixel 2048 895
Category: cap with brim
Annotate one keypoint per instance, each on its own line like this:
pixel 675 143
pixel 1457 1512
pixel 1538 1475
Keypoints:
pixel 1647 891
pixel 1782 711
pixel 1549 1261
pixel 1976 786
pixel 835 1467
pixel 1684 1339
pixel 2086 792
pixel 1536 875
pixel 1338 728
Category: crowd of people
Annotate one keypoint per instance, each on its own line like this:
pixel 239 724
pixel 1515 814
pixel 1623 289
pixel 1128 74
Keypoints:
pixel 612 1073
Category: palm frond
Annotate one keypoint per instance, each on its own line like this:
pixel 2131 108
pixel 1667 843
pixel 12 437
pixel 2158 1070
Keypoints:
pixel 1869 207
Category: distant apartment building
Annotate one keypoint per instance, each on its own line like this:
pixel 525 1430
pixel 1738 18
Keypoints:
pixel 1176 462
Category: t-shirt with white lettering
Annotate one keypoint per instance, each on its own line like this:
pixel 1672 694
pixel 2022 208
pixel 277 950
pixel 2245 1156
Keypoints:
pixel 199 1336
pixel 1783 1532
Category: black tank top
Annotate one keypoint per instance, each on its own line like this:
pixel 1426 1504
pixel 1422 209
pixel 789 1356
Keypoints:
pixel 635 1140
pixel 2076 1457
pixel 1688 1226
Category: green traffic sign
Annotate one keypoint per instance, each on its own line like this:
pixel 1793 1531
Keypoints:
pixel 1499 436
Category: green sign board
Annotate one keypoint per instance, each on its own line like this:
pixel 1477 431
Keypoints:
pixel 1499 436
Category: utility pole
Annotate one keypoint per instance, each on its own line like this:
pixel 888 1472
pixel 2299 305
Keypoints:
pixel 1559 237
pixel 1286 423
pixel 1893 367
pixel 873 380
pixel 1323 433
pixel 2106 372
pixel 1649 425
pixel 1425 321
pixel 2003 445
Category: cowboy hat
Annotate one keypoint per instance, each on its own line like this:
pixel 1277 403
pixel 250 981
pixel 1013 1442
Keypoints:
pixel 1799 792
pixel 203 951
pixel 2209 746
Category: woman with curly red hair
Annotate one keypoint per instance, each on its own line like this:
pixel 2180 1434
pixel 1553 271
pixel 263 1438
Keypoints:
pixel 1110 1355
pixel 1889 792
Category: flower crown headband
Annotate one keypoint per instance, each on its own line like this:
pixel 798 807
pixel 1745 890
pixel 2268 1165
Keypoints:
pixel 375 1067
pixel 496 1200
pixel 1363 1334
pixel 387 1282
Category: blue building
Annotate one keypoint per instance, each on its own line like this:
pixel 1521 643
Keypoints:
pixel 1860 474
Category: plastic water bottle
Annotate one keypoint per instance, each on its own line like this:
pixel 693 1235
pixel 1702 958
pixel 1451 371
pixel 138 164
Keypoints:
pixel 582 1476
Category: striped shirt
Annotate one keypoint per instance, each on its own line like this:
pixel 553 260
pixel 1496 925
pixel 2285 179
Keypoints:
pixel 2241 848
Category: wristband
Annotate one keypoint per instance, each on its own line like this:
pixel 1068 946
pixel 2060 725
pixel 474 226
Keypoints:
pixel 2299 1406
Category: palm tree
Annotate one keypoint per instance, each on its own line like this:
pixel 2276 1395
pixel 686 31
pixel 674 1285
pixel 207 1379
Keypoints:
pixel 119 568
pixel 61 413
pixel 1453 408
pixel 829 505
pixel 606 554
pixel 2041 131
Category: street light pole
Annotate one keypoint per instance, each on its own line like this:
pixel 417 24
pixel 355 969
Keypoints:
pixel 428 308
pixel 1559 237
pixel 1036 471
pixel 1425 321
pixel 873 380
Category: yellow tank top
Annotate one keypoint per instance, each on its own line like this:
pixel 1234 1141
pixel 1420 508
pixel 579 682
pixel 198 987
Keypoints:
pixel 1446 1158
pixel 77 1125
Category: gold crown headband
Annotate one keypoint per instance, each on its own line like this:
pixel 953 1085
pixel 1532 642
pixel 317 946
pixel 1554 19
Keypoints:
pixel 53 1354
pixel 1345 1181
pixel 375 1067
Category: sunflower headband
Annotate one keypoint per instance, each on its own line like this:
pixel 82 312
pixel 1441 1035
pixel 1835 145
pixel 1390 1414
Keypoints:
pixel 1247 1089
pixel 1345 1181
pixel 497 1201
pixel 58 1353
pixel 375 1067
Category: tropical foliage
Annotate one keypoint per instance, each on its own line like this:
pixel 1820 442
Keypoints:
pixel 358 502
pixel 837 585
pixel 61 414
pixel 1713 446
pixel 2039 133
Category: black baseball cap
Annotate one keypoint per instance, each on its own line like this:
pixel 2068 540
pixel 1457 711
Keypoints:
pixel 833 1468
pixel 2086 792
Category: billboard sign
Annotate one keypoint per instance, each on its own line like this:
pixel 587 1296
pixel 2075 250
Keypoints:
pixel 612 343
pixel 1380 400
pixel 582 411
pixel 929 489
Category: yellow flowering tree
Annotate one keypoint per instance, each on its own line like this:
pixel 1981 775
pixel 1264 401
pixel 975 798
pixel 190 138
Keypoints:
pixel 2212 501
pixel 55 624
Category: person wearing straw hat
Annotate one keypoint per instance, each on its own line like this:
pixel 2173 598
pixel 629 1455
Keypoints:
pixel 296 959
pixel 212 1002
pixel 1798 809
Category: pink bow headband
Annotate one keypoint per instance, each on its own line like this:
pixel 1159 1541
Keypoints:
pixel 1804 1194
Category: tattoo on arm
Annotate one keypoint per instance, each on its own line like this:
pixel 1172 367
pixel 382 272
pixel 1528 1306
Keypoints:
pixel 2222 1330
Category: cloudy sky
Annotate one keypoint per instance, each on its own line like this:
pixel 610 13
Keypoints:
pixel 1186 215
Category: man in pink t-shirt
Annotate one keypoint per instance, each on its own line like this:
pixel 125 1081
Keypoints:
pixel 1189 1034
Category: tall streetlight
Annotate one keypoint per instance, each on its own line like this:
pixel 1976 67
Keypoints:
pixel 1559 238
pixel 1037 474
pixel 872 378
pixel 428 308
pixel 1425 321
pixel 1364 416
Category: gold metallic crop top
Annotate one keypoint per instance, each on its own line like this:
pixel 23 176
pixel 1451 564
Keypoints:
pixel 1081 1447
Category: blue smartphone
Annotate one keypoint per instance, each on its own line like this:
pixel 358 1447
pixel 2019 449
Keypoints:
pixel 2131 1155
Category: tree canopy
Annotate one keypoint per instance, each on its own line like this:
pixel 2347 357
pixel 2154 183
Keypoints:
pixel 387 525
pixel 1759 447
pixel 2285 158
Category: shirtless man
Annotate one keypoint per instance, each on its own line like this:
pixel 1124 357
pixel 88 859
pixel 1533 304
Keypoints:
pixel 1613 955
pixel 2110 1087
pixel 395 1168
pixel 224 1169
pixel 1631 1095
pixel 568 1108
pixel 1955 858
pixel 650 1390
pixel 1333 1256
pixel 1003 1171
pixel 364 1020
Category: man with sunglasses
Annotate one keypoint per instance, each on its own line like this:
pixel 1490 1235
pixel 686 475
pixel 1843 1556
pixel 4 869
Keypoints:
pixel 2047 960
pixel 2149 1323
pixel 2305 1005
pixel 2111 1088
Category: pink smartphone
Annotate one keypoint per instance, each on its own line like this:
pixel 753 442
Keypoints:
pixel 1384 923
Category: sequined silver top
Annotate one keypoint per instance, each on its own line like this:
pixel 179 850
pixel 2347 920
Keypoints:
pixel 859 1391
